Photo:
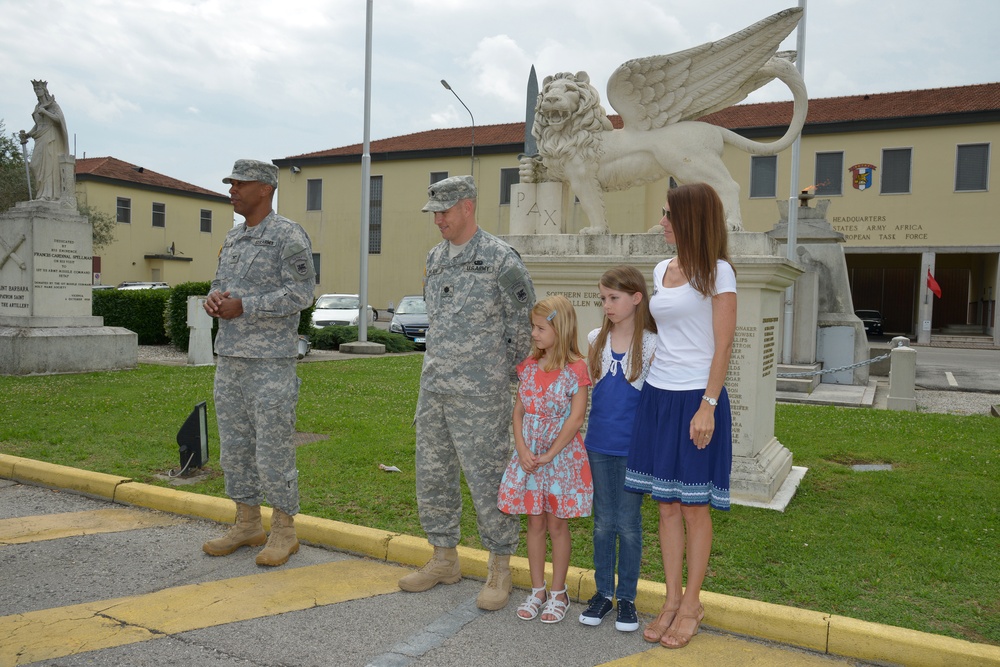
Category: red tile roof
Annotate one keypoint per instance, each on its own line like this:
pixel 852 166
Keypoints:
pixel 878 106
pixel 119 170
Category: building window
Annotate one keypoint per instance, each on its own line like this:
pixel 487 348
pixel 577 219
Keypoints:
pixel 206 220
pixel 124 210
pixel 896 170
pixel 375 216
pixel 763 176
pixel 508 177
pixel 438 176
pixel 316 264
pixel 159 215
pixel 314 194
pixel 972 163
pixel 830 173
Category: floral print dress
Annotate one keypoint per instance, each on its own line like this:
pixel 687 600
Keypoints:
pixel 563 487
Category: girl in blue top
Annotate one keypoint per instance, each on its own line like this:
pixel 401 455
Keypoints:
pixel 621 352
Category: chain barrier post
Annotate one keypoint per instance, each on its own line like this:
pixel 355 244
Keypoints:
pixel 902 376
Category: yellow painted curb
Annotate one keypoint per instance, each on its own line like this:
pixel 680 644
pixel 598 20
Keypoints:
pixel 788 625
pixel 474 562
pixel 222 510
pixel 886 643
pixel 7 465
pixel 64 477
pixel 355 539
pixel 409 550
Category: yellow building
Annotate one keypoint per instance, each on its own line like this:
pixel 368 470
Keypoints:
pixel 907 175
pixel 167 230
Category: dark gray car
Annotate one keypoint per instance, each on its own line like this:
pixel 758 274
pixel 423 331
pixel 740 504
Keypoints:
pixel 410 319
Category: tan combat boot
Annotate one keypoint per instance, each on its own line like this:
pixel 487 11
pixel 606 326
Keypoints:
pixel 247 532
pixel 442 568
pixel 282 542
pixel 498 584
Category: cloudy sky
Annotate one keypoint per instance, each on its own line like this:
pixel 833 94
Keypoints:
pixel 183 87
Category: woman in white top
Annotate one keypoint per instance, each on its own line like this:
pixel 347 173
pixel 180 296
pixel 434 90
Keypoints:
pixel 681 450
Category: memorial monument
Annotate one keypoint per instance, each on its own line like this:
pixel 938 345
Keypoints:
pixel 46 268
pixel 825 330
pixel 579 152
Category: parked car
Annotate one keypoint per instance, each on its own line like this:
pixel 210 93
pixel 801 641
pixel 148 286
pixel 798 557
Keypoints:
pixel 872 319
pixel 338 310
pixel 410 319
pixel 143 285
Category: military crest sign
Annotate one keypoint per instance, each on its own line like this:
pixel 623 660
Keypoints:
pixel 862 176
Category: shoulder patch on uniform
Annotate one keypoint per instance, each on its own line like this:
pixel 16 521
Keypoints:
pixel 515 281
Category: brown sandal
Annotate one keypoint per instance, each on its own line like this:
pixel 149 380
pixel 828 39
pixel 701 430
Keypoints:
pixel 654 632
pixel 683 638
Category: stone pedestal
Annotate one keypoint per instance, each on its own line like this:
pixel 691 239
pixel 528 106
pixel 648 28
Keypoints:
pixel 571 265
pixel 824 327
pixel 200 340
pixel 537 208
pixel 46 325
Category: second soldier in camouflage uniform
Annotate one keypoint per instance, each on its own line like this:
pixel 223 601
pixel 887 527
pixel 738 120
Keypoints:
pixel 479 297
pixel 264 280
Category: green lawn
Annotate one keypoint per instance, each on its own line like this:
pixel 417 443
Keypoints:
pixel 916 547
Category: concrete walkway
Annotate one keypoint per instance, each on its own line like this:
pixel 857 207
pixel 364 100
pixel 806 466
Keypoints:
pixel 112 573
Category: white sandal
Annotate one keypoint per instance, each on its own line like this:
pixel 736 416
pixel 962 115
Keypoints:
pixel 533 604
pixel 556 607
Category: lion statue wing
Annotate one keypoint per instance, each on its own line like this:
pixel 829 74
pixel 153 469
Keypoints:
pixel 655 91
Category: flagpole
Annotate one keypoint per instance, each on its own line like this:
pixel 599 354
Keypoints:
pixel 792 242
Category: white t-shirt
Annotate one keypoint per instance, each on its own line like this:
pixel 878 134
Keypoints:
pixel 685 342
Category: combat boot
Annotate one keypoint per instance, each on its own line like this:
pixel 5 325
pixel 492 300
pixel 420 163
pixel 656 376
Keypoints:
pixel 442 568
pixel 282 542
pixel 247 532
pixel 498 584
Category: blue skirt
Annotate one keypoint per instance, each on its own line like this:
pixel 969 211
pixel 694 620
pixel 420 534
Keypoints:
pixel 662 459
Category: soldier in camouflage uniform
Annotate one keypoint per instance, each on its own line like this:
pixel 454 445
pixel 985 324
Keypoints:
pixel 264 280
pixel 479 297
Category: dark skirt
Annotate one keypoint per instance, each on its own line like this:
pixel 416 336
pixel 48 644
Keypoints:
pixel 662 459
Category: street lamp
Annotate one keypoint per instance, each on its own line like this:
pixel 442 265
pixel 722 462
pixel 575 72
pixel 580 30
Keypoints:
pixel 472 148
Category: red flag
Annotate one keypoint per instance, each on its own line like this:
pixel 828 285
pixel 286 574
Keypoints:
pixel 932 284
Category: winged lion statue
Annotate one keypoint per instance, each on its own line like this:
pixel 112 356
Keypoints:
pixel 658 98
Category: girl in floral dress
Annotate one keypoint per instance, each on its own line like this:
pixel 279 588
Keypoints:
pixel 548 477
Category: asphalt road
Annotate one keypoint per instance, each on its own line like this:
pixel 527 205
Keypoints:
pixel 91 582
pixel 958 369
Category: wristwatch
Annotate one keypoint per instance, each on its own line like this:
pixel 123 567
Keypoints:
pixel 711 401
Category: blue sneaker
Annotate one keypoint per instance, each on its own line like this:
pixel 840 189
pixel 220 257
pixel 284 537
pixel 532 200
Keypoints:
pixel 627 620
pixel 598 607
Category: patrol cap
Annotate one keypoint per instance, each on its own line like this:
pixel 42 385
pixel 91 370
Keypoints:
pixel 445 194
pixel 254 170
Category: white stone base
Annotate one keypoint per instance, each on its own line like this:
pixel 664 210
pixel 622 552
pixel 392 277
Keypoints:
pixel 51 350
pixel 782 498
pixel 759 477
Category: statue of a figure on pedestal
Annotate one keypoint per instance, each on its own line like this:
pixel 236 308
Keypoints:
pixel 658 97
pixel 51 142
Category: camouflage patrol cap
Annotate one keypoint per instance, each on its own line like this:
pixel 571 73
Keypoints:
pixel 253 170
pixel 445 194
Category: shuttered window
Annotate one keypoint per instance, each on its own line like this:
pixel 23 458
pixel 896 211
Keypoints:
pixel 972 162
pixel 830 173
pixel 896 170
pixel 763 176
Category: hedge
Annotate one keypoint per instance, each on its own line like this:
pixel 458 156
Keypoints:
pixel 139 310
pixel 330 338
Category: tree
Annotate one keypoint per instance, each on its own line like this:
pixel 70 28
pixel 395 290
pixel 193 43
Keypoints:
pixel 13 179
pixel 103 224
